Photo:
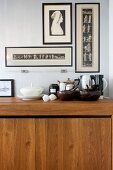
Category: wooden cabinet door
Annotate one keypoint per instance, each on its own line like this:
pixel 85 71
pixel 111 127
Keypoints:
pixel 17 144
pixel 73 144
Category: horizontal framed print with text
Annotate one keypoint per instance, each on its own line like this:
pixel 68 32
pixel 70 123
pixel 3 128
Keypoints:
pixel 6 87
pixel 87 46
pixel 57 23
pixel 38 56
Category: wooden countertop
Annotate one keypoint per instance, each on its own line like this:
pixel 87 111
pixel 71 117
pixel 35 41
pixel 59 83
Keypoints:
pixel 12 106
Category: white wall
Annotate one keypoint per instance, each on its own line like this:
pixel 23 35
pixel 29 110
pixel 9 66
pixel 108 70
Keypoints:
pixel 21 25
pixel 111 48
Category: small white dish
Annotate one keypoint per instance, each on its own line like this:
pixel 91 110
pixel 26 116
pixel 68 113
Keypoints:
pixel 30 97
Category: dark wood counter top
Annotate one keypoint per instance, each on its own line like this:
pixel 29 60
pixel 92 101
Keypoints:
pixel 12 106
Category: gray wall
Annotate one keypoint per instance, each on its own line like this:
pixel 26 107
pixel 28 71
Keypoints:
pixel 111 48
pixel 21 25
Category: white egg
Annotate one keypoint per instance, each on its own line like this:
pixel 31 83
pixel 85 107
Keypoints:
pixel 52 97
pixel 45 98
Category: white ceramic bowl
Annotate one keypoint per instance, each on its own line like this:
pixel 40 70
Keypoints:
pixel 31 91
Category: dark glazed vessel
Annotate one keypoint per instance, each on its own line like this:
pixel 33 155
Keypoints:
pixel 90 95
pixel 68 95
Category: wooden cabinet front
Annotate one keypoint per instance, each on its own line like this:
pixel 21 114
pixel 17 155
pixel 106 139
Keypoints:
pixel 73 144
pixel 17 144
pixel 55 143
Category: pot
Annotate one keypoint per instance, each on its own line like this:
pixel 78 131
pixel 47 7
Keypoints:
pixel 84 82
pixel 31 91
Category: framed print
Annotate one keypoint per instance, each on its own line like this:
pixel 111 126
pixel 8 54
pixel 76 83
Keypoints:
pixel 87 37
pixel 6 87
pixel 57 23
pixel 38 56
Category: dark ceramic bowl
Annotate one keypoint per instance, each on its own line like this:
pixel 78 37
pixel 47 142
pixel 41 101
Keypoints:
pixel 89 95
pixel 68 95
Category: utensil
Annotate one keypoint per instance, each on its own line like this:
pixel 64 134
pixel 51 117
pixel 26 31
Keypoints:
pixel 84 82
pixel 101 82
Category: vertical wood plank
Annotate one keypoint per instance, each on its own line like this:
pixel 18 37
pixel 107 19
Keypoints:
pixel 7 144
pixel 41 145
pixel 87 144
pixel 17 144
pixel 24 144
pixel 70 143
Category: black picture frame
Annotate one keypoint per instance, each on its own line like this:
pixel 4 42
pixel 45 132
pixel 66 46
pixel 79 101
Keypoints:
pixel 57 56
pixel 57 23
pixel 6 87
pixel 87 37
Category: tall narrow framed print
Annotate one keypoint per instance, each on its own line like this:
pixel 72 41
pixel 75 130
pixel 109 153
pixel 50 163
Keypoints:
pixel 87 37
pixel 57 23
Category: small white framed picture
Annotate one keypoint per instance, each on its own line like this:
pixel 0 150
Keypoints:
pixel 6 87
